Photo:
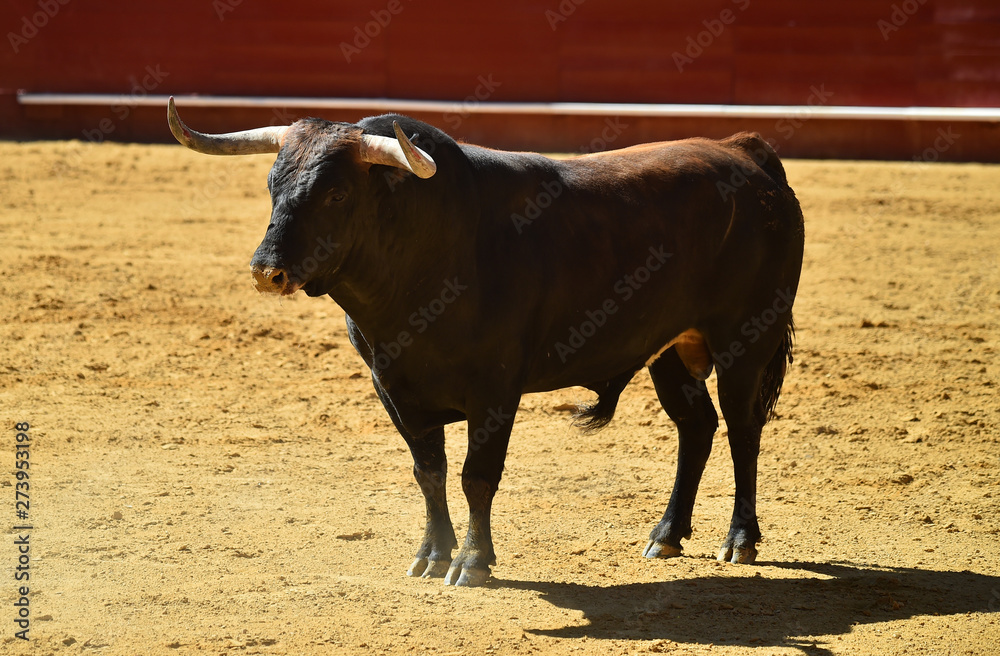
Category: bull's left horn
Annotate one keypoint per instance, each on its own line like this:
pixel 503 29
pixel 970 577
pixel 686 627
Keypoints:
pixel 247 142
pixel 399 152
pixel 420 162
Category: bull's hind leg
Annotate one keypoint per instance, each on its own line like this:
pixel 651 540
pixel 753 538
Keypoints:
pixel 748 389
pixel 685 399
pixel 430 468
pixel 738 393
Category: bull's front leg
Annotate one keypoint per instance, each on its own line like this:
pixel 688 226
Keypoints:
pixel 489 434
pixel 430 468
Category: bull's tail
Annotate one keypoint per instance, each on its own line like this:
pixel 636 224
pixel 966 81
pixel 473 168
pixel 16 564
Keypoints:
pixel 774 376
pixel 594 417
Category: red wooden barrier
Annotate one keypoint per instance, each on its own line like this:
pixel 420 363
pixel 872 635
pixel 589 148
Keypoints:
pixel 863 52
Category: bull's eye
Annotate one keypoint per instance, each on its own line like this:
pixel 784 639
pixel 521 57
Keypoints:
pixel 335 196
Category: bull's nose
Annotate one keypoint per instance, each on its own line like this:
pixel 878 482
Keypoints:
pixel 272 280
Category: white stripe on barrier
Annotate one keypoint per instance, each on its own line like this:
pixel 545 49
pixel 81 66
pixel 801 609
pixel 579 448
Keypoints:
pixel 988 114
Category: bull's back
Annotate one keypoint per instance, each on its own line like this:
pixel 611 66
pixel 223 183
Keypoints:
pixel 705 202
pixel 632 248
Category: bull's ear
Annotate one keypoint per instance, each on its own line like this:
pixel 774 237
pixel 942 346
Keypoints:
pixel 399 153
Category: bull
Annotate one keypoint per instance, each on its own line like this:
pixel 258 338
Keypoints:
pixel 472 276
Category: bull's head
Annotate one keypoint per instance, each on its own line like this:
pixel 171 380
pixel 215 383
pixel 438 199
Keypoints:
pixel 317 187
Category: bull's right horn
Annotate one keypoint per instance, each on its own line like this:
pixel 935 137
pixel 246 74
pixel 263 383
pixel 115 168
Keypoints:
pixel 247 142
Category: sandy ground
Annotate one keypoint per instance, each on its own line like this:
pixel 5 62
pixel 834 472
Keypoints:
pixel 212 473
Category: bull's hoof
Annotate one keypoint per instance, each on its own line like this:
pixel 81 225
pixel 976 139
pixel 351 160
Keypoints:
pixel 466 576
pixel 745 555
pixel 429 569
pixel 655 549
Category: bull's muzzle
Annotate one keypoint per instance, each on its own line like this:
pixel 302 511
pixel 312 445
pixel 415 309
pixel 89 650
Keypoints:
pixel 272 280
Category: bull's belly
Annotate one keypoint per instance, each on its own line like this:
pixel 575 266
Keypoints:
pixel 580 362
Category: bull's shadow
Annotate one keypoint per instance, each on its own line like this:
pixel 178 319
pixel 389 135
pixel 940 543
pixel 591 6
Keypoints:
pixel 766 611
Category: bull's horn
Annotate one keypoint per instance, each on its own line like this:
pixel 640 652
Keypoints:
pixel 247 142
pixel 420 162
pixel 399 152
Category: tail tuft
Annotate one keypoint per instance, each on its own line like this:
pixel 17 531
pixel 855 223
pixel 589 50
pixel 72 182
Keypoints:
pixel 774 376
pixel 592 418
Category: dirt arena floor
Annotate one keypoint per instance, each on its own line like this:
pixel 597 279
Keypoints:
pixel 210 471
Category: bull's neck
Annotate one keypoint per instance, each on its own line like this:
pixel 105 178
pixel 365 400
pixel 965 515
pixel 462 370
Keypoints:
pixel 384 280
pixel 407 263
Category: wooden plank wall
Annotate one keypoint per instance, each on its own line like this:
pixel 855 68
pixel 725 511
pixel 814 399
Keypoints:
pixel 771 52
pixel 856 52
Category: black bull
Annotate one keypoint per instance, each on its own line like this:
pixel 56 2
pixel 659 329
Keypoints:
pixel 505 273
